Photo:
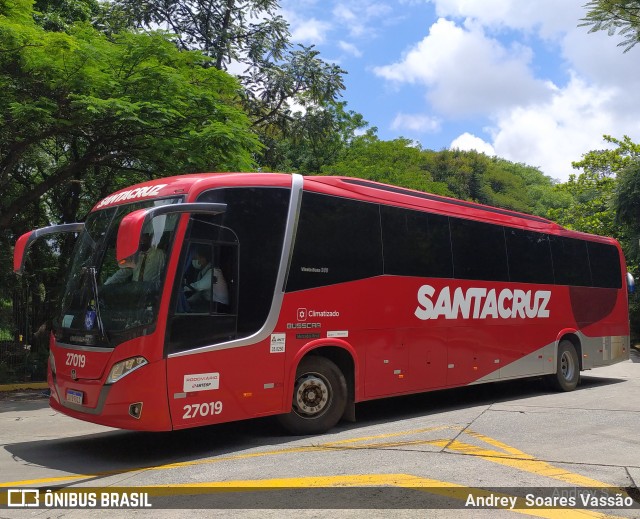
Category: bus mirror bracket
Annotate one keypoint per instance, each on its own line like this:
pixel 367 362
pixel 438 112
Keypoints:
pixel 131 226
pixel 27 239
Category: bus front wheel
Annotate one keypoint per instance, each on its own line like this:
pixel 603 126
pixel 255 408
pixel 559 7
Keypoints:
pixel 567 373
pixel 319 397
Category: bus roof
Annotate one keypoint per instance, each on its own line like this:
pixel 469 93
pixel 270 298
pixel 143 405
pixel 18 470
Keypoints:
pixel 191 185
pixel 420 200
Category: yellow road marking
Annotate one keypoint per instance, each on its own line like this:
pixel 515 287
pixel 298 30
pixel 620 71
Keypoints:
pixel 392 435
pixel 508 456
pixel 521 461
pixel 167 466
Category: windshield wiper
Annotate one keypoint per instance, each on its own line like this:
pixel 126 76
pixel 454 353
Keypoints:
pixel 94 289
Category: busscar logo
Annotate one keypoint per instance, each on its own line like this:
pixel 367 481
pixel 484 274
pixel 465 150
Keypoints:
pixel 302 314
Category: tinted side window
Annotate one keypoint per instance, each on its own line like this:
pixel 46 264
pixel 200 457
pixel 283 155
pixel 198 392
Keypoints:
pixel 337 240
pixel 416 243
pixel 570 261
pixel 479 251
pixel 258 217
pixel 605 265
pixel 529 256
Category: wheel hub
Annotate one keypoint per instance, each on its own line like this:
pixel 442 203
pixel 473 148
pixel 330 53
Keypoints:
pixel 566 365
pixel 312 395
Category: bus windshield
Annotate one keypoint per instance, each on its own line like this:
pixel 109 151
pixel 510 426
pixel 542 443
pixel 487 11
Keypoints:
pixel 105 303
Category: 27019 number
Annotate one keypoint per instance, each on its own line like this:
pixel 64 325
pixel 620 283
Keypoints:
pixel 204 409
pixel 76 359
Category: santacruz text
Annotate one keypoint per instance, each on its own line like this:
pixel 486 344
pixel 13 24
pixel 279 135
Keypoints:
pixel 481 303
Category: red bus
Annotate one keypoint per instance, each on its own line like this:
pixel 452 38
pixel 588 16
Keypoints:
pixel 208 298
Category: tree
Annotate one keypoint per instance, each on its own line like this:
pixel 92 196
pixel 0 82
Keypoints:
pixel 609 161
pixel 313 139
pixel 596 193
pixel 466 175
pixel 60 15
pixel 590 208
pixel 399 162
pixel 78 106
pixel 610 174
pixel 615 16
pixel 625 162
pixel 250 37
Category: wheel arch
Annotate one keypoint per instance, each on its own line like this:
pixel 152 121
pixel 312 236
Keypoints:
pixel 572 337
pixel 342 354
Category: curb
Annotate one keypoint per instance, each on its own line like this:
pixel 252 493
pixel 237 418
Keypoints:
pixel 26 385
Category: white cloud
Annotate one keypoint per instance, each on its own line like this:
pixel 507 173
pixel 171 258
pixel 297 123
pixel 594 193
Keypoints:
pixel 344 13
pixel 309 30
pixel 549 18
pixel 471 67
pixel 305 28
pixel 349 48
pixel 467 72
pixel 467 142
pixel 553 134
pixel 546 89
pixel 358 16
pixel 416 123
pixel 596 57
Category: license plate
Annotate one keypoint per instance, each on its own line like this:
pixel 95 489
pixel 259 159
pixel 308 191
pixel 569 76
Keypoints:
pixel 75 397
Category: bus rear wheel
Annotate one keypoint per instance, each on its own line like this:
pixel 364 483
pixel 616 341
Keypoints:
pixel 567 373
pixel 319 397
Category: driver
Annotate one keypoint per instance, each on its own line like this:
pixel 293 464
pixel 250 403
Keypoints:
pixel 202 289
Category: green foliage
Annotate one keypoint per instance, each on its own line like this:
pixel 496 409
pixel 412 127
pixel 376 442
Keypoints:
pixel 248 34
pixel 589 209
pixel 78 102
pixel 599 195
pixel 312 140
pixel 397 162
pixel 60 15
pixel 626 202
pixel 615 16
pixel 610 160
pixel 467 175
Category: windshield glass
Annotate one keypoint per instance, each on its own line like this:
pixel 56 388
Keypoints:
pixel 105 303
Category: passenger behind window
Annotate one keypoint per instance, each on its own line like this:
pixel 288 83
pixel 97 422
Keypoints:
pixel 147 266
pixel 209 285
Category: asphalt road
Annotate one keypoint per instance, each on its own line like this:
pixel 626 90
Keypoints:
pixel 445 451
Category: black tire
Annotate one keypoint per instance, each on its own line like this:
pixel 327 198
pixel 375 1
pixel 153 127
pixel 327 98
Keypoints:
pixel 319 397
pixel 567 374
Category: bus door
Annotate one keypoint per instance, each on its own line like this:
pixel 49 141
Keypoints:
pixel 203 312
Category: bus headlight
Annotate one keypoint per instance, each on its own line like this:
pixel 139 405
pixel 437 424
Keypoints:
pixel 124 367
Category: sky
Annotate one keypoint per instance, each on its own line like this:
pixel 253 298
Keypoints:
pixel 513 78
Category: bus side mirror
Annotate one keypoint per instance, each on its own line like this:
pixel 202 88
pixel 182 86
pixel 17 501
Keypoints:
pixel 631 283
pixel 27 239
pixel 131 226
